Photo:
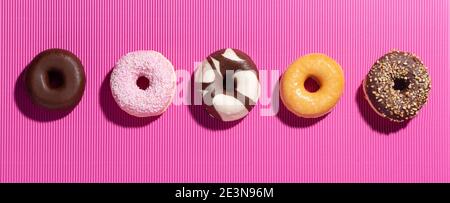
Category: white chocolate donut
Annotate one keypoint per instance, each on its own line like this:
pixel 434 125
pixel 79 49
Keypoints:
pixel 230 85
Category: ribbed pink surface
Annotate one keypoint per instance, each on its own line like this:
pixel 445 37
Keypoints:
pixel 98 143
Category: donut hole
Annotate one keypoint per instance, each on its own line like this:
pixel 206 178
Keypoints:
pixel 311 85
pixel 400 84
pixel 55 78
pixel 143 82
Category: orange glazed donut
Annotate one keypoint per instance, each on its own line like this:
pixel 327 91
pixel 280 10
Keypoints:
pixel 328 75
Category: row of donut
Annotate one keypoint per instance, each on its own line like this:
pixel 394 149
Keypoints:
pixel 143 84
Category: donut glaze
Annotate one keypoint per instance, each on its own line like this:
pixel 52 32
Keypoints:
pixel 322 69
pixel 229 84
pixel 55 79
pixel 397 86
pixel 158 93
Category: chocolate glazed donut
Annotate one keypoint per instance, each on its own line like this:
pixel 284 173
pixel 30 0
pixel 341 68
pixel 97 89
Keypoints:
pixel 230 84
pixel 397 86
pixel 55 79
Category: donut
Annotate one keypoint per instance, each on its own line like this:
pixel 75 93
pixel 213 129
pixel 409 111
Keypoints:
pixel 229 84
pixel 55 79
pixel 397 86
pixel 328 75
pixel 143 83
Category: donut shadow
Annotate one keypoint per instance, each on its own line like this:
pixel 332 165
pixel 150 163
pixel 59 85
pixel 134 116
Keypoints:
pixel 31 110
pixel 292 120
pixel 375 121
pixel 114 113
pixel 201 116
pixel 288 118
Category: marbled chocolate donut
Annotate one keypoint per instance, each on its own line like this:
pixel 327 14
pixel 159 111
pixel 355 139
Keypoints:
pixel 55 79
pixel 229 84
pixel 397 86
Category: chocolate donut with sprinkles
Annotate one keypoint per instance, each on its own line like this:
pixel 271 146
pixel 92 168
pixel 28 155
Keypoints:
pixel 397 86
pixel 229 82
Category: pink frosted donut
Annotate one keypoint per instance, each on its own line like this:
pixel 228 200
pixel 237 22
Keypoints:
pixel 150 99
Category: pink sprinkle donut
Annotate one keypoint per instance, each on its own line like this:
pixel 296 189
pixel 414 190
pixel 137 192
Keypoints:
pixel 150 99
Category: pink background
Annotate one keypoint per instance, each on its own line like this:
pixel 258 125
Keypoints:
pixel 97 142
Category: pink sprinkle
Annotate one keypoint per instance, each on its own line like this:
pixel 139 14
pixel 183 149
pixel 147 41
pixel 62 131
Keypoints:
pixel 156 98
